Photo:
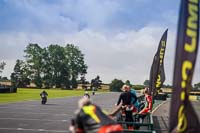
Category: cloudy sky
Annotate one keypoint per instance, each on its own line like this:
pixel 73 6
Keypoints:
pixel 118 37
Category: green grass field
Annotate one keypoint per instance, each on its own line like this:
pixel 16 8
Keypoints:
pixel 34 94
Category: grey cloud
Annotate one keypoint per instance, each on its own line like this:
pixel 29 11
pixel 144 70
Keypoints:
pixel 127 55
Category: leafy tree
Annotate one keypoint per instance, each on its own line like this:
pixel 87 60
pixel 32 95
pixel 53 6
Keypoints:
pixel 166 86
pixel 83 82
pixel 47 71
pixel 56 64
pixel 19 77
pixel 128 83
pixel 4 78
pixel 76 63
pixel 116 85
pixel 138 87
pixel 82 79
pixel 2 65
pixel 146 82
pixel 52 66
pixel 34 57
pixel 197 86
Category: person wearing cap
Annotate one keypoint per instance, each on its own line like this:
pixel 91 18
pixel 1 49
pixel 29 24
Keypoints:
pixel 91 119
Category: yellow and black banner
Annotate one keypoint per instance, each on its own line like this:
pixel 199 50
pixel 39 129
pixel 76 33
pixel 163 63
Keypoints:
pixel 183 117
pixel 157 73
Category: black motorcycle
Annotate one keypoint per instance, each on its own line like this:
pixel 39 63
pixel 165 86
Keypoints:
pixel 44 100
pixel 44 97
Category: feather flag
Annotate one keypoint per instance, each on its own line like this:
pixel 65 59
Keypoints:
pixel 157 73
pixel 183 117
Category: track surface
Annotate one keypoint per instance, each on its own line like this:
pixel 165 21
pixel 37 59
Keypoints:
pixel 161 116
pixel 54 117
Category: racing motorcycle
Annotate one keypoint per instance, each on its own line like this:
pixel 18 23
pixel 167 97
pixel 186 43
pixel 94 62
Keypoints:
pixel 44 99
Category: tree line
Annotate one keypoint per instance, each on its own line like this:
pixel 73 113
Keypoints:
pixel 57 66
pixel 49 66
pixel 117 84
pixel 2 66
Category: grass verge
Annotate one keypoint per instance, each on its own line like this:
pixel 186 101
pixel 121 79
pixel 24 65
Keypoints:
pixel 34 94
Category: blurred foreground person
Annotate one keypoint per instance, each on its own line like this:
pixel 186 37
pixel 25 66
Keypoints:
pixel 91 119
pixel 43 96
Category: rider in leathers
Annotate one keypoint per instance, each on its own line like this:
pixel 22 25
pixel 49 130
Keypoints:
pixel 91 119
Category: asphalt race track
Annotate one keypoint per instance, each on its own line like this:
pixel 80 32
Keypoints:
pixel 54 117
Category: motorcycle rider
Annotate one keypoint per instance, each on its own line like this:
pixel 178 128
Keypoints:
pixel 95 84
pixel 44 95
pixel 91 119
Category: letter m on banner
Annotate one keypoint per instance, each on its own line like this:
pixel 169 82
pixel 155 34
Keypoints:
pixel 183 117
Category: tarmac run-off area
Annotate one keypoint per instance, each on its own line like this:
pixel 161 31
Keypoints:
pixel 55 116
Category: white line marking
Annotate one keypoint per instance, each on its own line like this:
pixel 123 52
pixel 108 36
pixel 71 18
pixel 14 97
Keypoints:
pixel 19 128
pixel 41 130
pixel 158 107
pixel 36 113
pixel 35 130
pixel 30 109
pixel 32 119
